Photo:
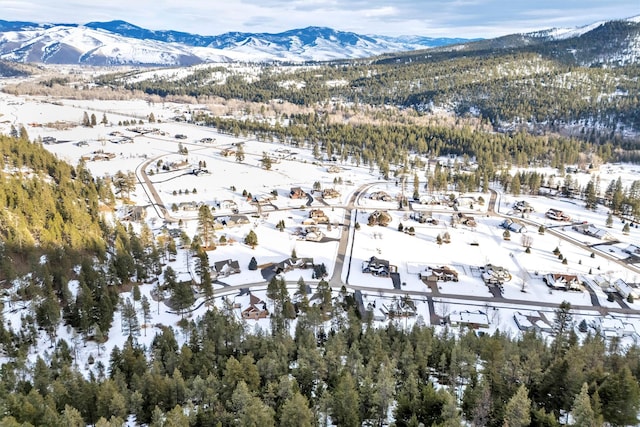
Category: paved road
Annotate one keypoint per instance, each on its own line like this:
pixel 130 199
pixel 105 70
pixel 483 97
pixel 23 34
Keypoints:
pixel 348 233
pixel 582 245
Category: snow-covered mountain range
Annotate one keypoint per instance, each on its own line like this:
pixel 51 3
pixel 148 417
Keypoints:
pixel 121 43
pixel 118 42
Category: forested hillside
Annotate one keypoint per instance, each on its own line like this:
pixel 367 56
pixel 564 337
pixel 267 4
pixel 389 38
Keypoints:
pixel 48 206
pixel 349 375
pixel 585 87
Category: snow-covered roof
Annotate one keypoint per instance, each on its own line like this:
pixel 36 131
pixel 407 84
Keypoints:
pixel 466 317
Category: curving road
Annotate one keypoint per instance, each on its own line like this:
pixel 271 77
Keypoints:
pixel 344 253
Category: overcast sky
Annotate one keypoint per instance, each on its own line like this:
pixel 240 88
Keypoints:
pixel 435 18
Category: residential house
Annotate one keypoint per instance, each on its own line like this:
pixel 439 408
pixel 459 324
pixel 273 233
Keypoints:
pixel 434 200
pixel 234 220
pixel 522 206
pixel 381 218
pixel 200 171
pixel 257 309
pixel 226 152
pixel 314 236
pixel 378 267
pixel 565 282
pixel 625 289
pixel 464 219
pixel 440 274
pixel 612 327
pixel 188 206
pixel 381 196
pixel 264 199
pixel 424 218
pixel 334 169
pixel 513 226
pixel 557 215
pixel 330 193
pixel 99 156
pixel 593 231
pixel 289 264
pixel 226 268
pixel 400 307
pixel 632 250
pixel 472 319
pixel 228 205
pixel 297 193
pixel 523 322
pixel 319 216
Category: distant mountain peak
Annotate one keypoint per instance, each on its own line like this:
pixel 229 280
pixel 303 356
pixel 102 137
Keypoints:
pixel 137 45
pixel 120 42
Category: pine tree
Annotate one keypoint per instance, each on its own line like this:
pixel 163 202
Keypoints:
pixel 182 296
pixel 146 312
pixel 345 400
pixel 251 239
pixel 581 411
pixel 626 229
pixel 253 264
pixel 562 327
pixel 206 225
pixel 620 395
pixel 130 324
pixel 266 161
pixel 518 410
pixel 515 185
pixel 295 412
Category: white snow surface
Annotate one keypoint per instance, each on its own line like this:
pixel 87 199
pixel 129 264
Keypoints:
pixel 470 247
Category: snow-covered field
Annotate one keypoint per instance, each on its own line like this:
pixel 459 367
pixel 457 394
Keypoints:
pixel 222 187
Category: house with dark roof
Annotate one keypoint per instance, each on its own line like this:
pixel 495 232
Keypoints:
pixel 234 220
pixel 522 206
pixel 135 213
pixel 257 309
pixel 226 268
pixel 378 267
pixel 513 226
pixel 289 264
pixel 440 274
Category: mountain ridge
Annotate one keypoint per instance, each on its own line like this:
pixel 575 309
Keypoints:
pixel 119 42
pixel 106 43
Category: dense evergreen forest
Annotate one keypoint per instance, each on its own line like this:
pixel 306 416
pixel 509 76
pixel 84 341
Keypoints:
pixel 349 374
pixel 48 206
